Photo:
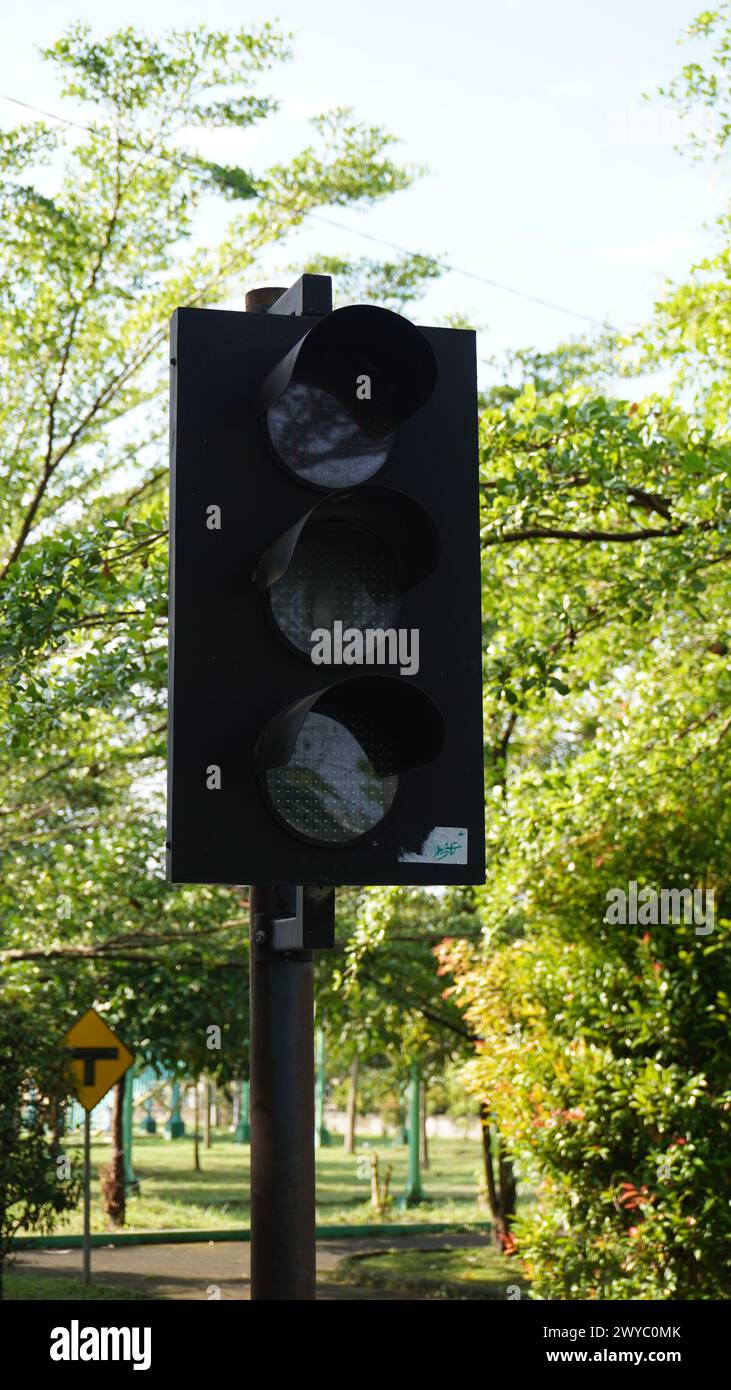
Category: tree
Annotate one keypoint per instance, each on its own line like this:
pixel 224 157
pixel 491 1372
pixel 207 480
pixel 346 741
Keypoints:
pixel 96 250
pixel 603 1046
pixel 37 1181
pixel 385 1003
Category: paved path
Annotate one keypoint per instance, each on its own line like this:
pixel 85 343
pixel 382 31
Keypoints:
pixel 196 1270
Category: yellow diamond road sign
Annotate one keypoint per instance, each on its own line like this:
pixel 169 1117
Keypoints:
pixel 98 1058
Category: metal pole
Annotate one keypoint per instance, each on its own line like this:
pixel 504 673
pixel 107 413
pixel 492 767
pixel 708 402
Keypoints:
pixel 322 1137
pixel 175 1127
pixel 130 1179
pixel 87 1197
pixel 245 1112
pixel 243 1128
pixel 414 1190
pixel 404 1114
pixel 282 1111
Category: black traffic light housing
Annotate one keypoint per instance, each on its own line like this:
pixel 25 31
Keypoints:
pixel 325 650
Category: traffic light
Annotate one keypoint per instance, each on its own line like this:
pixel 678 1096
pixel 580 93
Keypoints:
pixel 325 650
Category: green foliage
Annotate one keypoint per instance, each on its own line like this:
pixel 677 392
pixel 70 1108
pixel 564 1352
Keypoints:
pixel 601 1052
pixel 133 74
pixel 34 1083
pixel 605 1055
pixel 710 86
pixel 382 998
pixel 100 240
pixel 604 1050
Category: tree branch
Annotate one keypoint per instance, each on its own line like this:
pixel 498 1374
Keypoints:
pixel 554 533
pixel 49 463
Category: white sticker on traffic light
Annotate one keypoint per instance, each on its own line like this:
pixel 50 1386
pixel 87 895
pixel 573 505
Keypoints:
pixel 446 844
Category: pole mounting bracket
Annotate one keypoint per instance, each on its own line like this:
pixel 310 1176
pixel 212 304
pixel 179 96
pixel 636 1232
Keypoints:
pixel 305 923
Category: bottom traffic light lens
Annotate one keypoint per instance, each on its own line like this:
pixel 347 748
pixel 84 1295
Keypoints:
pixel 331 763
pixel 330 791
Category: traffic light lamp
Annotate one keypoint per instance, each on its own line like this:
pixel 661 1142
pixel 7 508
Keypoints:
pixel 332 405
pixel 325 650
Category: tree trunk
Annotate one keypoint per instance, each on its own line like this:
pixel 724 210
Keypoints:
pixel 116 1195
pixel 352 1106
pixel 375 1183
pixel 403 1112
pixel 501 1194
pixel 423 1143
pixel 56 1124
pixel 492 1194
pixel 196 1136
pixel 508 1190
pixel 207 1122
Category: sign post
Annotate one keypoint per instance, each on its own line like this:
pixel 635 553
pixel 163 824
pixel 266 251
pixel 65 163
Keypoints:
pixel 98 1059
pixel 87 1197
pixel 414 1191
pixel 322 1137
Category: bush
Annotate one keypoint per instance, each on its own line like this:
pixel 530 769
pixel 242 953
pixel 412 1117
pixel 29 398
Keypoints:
pixel 34 1084
pixel 608 1074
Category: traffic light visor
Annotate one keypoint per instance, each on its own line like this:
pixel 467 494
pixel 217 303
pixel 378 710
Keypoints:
pixel 331 406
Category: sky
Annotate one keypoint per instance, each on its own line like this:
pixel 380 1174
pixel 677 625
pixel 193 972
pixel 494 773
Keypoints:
pixel 548 172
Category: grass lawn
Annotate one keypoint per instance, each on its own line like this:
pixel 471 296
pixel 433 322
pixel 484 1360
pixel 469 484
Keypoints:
pixel 441 1274
pixel 173 1196
pixel 45 1286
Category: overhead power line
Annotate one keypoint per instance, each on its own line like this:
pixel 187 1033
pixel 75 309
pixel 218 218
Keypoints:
pixel 38 111
pixel 445 265
pixel 467 274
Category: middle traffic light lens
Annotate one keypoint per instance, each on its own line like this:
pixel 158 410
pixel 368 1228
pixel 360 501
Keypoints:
pixel 320 441
pixel 337 572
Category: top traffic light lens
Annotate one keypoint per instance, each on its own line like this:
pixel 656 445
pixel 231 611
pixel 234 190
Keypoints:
pixel 317 438
pixel 331 407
